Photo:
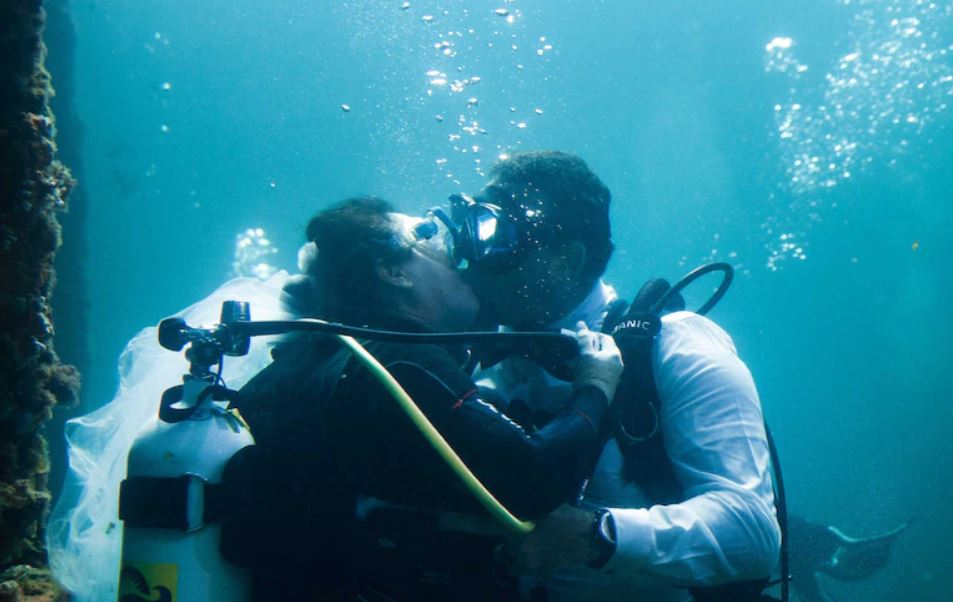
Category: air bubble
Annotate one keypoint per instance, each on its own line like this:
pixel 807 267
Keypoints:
pixel 252 253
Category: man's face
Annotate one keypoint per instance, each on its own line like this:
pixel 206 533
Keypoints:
pixel 529 289
pixel 515 297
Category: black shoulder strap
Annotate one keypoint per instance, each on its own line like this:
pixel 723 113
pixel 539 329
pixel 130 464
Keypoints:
pixel 637 406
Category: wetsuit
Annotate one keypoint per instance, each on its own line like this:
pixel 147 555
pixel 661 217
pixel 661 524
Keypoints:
pixel 323 415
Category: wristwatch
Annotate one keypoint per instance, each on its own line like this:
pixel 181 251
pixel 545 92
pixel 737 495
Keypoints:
pixel 603 537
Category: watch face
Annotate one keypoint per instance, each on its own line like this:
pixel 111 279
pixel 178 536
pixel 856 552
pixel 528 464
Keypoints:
pixel 606 527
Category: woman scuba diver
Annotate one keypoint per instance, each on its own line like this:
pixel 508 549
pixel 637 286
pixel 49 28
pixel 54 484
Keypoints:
pixel 356 502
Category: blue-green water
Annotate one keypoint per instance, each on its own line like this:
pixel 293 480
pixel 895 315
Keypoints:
pixel 805 141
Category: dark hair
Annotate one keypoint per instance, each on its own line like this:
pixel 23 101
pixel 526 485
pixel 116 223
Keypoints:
pixel 352 237
pixel 579 201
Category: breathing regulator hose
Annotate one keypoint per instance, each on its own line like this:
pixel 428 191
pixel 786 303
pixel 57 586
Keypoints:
pixel 436 440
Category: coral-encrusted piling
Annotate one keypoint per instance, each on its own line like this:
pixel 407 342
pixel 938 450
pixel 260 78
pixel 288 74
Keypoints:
pixel 33 187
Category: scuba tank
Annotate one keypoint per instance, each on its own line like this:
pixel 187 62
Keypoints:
pixel 171 501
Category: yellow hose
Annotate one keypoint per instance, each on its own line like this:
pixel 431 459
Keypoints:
pixel 436 440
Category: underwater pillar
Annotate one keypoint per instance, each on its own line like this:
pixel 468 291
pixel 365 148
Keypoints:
pixel 34 186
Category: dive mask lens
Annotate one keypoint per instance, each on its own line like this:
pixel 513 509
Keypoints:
pixel 483 231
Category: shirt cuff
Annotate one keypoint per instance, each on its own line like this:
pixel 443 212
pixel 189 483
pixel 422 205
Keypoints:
pixel 635 540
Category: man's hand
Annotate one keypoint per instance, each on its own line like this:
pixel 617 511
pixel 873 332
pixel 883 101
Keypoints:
pixel 599 363
pixel 562 539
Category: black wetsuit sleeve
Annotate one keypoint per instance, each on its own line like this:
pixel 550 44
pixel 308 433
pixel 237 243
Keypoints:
pixel 531 472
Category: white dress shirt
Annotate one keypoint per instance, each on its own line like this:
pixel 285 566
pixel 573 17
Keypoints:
pixel 711 423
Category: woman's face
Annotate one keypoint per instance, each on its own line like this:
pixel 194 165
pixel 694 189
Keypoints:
pixel 441 294
pixel 452 302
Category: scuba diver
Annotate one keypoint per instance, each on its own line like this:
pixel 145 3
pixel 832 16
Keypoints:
pixel 681 504
pixel 360 505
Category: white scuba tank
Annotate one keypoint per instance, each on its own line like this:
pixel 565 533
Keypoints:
pixel 178 565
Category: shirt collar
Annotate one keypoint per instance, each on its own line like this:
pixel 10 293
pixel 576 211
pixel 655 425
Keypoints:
pixel 592 310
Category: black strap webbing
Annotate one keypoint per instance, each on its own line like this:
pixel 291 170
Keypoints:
pixel 637 408
pixel 163 502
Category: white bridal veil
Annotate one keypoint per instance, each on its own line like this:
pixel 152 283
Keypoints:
pixel 84 533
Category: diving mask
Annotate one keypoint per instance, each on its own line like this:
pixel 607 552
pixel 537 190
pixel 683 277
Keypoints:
pixel 480 231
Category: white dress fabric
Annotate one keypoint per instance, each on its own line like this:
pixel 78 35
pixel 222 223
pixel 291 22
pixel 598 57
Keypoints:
pixel 84 533
pixel 711 421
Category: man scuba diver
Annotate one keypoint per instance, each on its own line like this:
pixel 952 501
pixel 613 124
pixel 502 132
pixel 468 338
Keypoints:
pixel 681 504
pixel 700 514
pixel 361 507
